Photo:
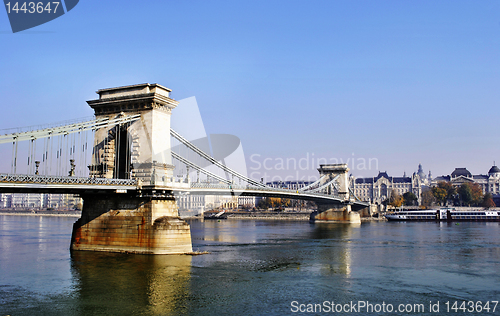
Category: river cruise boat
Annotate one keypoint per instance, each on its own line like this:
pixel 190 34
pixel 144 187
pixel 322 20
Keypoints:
pixel 445 214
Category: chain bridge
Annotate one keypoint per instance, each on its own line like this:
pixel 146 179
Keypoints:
pixel 128 164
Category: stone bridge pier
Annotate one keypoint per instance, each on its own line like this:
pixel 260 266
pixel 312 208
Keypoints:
pixel 340 212
pixel 146 221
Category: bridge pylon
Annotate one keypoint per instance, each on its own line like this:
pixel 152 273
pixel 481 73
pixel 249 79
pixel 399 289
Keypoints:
pixel 337 175
pixel 146 220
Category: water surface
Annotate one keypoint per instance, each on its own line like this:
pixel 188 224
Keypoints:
pixel 254 267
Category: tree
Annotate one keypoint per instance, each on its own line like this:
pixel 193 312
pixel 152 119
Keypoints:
pixel 465 193
pixel 439 194
pixel 273 202
pixel 477 193
pixel 428 198
pixel 410 198
pixel 451 191
pixel 395 199
pixel 263 203
pixel 488 201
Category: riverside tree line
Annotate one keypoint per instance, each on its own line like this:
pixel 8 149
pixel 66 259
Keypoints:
pixel 467 194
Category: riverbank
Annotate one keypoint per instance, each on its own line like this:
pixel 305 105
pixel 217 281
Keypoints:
pixel 374 219
pixel 299 216
pixel 41 213
pixel 280 216
pixel 302 216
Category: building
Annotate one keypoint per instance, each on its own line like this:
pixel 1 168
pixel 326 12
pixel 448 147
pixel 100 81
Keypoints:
pixel 378 189
pixel 248 201
pixel 25 201
pixel 489 183
pixel 191 205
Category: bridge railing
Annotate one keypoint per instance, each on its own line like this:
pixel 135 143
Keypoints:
pixel 43 179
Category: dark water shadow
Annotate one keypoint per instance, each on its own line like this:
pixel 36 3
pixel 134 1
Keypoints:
pixel 125 284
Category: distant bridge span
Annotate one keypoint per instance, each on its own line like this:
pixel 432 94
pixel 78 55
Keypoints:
pixel 18 183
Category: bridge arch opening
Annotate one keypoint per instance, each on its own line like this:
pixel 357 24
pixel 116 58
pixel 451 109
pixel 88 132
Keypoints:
pixel 122 153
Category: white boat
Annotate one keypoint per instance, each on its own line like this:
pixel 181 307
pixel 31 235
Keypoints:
pixel 445 214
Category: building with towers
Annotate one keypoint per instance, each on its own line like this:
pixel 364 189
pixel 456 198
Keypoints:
pixel 489 183
pixel 378 189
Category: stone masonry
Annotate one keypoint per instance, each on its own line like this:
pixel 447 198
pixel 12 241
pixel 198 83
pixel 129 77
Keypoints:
pixel 147 221
pixel 336 212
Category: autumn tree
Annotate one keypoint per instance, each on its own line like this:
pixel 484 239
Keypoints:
pixel 428 198
pixel 471 194
pixel 410 198
pixel 477 193
pixel 439 194
pixel 488 201
pixel 273 202
pixel 395 199
pixel 451 191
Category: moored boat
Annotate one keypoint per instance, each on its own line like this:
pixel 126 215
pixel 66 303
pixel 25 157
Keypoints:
pixel 445 214
pixel 220 215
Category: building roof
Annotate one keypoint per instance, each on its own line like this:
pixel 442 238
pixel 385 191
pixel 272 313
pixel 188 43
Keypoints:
pixel 401 179
pixel 420 172
pixel 364 180
pixel 383 175
pixel 461 172
pixel 442 178
pixel 479 176
pixel 494 169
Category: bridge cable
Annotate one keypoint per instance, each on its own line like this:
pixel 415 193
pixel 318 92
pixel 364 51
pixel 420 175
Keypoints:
pixel 68 129
pixel 307 187
pixel 194 166
pixel 331 182
pixel 213 161
pixel 355 197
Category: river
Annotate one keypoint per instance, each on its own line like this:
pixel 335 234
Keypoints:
pixel 256 268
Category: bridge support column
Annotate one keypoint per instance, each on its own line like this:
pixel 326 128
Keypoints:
pixel 148 222
pixel 341 213
pixel 116 223
pixel 335 213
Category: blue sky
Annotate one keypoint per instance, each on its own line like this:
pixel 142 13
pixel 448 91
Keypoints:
pixel 405 82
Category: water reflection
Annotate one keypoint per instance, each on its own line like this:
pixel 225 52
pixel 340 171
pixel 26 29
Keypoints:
pixel 336 258
pixel 224 231
pixel 109 283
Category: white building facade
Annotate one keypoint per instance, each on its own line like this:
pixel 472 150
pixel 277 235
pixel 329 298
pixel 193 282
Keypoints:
pixel 376 190
pixel 30 201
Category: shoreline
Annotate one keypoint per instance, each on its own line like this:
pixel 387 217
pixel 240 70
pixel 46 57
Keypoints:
pixel 272 216
pixel 30 213
pixel 301 217
pixel 263 217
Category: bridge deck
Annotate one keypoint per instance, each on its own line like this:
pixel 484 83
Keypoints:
pixel 15 183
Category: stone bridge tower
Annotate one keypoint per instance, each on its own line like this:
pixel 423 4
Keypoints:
pixel 339 174
pixel 146 221
pixel 140 149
